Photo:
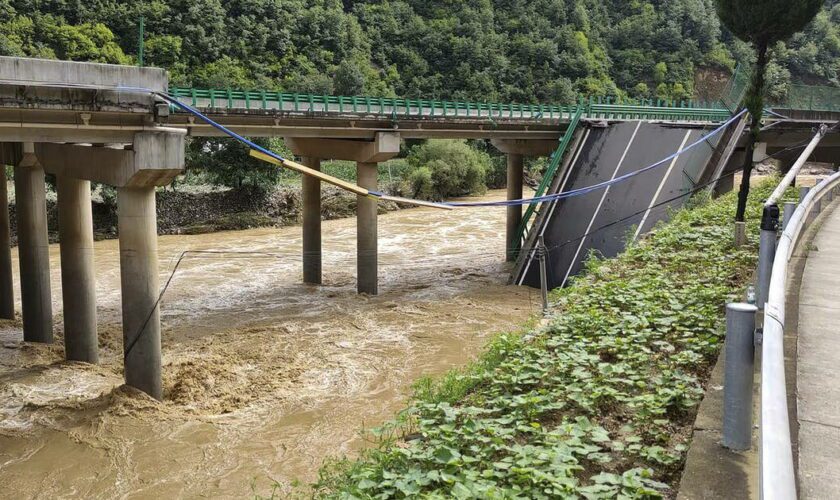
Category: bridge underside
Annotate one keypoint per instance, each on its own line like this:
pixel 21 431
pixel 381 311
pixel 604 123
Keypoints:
pixel 603 221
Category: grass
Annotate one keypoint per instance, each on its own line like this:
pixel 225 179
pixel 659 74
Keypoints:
pixel 599 403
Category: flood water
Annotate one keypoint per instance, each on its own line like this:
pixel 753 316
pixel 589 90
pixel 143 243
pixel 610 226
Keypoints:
pixel 264 377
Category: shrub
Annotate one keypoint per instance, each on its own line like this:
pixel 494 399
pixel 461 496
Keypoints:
pixel 453 169
pixel 421 183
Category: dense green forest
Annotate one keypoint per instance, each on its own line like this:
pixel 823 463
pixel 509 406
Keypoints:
pixel 488 50
pixel 494 50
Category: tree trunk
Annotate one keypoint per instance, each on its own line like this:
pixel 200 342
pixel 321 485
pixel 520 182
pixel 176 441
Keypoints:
pixel 755 103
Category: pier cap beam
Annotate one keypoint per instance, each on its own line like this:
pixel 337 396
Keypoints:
pixel 525 147
pixel 155 159
pixel 385 146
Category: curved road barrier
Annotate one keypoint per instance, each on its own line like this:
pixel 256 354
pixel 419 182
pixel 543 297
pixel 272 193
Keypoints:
pixel 777 479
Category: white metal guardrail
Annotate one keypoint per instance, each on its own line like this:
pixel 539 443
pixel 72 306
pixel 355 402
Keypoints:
pixel 776 471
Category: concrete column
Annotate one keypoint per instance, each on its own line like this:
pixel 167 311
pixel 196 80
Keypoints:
pixel 33 248
pixel 78 284
pixel 366 233
pixel 140 288
pixel 311 201
pixel 724 185
pixel 514 214
pixel 7 293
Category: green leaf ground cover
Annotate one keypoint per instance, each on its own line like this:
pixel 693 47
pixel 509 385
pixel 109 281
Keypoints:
pixel 598 404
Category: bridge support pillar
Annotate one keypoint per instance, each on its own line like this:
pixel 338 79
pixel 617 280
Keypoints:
pixel 139 284
pixel 33 248
pixel 366 154
pixel 7 292
pixel 78 283
pixel 311 201
pixel 516 150
pixel 366 231
pixel 515 170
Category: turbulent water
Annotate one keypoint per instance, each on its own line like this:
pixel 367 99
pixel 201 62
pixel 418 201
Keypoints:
pixel 264 377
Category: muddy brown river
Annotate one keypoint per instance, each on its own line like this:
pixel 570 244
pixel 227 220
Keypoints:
pixel 264 377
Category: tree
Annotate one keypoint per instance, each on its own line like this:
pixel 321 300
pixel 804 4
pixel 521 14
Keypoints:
pixel 762 23
pixel 349 79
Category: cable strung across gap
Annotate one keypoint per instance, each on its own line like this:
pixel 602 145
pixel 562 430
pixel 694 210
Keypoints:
pixel 269 156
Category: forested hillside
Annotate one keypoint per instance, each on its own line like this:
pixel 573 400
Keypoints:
pixel 494 50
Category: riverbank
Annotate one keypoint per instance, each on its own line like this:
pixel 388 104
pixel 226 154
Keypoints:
pixel 599 402
pixel 200 211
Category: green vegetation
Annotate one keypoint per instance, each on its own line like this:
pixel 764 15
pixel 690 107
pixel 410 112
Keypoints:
pixel 447 168
pixel 598 403
pixel 534 51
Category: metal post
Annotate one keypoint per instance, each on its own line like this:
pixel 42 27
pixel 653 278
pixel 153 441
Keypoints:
pixel 803 192
pixel 738 376
pixel 543 275
pixel 141 49
pixel 790 207
pixel 766 251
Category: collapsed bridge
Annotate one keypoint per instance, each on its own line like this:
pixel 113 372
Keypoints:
pixel 126 128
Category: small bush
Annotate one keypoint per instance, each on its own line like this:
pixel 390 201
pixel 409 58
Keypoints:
pixel 452 168
pixel 421 183
pixel 497 174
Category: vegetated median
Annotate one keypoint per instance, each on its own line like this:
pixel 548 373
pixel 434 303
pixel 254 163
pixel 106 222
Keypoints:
pixel 598 403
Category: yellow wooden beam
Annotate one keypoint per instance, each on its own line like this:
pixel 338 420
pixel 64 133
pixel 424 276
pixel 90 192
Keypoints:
pixel 353 188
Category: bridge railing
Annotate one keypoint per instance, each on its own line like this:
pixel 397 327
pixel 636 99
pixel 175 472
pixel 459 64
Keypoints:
pixel 597 108
pixel 811 98
pixel 260 100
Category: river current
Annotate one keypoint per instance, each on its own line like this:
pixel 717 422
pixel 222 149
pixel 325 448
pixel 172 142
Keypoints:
pixel 264 377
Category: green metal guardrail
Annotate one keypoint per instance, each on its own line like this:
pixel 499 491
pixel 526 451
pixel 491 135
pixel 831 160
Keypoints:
pixel 605 108
pixel 735 89
pixel 265 100
pixel 548 177
pixel 811 98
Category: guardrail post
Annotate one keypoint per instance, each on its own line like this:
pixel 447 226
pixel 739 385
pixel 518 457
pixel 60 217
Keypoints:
pixel 541 253
pixel 803 192
pixel 790 207
pixel 738 376
pixel 766 251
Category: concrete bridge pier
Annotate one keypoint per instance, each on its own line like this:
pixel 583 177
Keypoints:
pixel 7 292
pixel 367 252
pixel 311 222
pixel 367 154
pixel 140 288
pixel 515 173
pixel 33 247
pixel 516 150
pixel 78 282
pixel 155 158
